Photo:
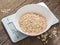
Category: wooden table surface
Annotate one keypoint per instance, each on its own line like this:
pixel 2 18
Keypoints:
pixel 8 7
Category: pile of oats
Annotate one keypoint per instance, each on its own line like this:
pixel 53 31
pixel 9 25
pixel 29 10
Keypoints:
pixel 5 10
pixel 51 34
pixel 43 38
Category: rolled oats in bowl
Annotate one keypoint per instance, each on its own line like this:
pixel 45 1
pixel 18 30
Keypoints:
pixel 32 23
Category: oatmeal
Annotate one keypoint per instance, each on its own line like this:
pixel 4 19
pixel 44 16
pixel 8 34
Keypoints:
pixel 32 23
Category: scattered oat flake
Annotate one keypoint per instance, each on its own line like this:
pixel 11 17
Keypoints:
pixel 54 32
pixel 42 36
pixel 5 10
pixel 51 36
pixel 55 35
pixel 46 41
pixel 38 37
pixel 54 27
pixel 43 39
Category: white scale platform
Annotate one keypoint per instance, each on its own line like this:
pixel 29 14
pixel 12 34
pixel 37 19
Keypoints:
pixel 14 34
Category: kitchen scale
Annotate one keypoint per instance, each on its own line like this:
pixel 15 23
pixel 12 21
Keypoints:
pixel 14 34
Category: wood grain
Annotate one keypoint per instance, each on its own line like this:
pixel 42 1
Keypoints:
pixel 14 5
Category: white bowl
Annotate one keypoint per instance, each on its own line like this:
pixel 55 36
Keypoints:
pixel 33 8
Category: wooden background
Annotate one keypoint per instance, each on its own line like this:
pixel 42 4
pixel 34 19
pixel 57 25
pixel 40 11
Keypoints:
pixel 12 6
